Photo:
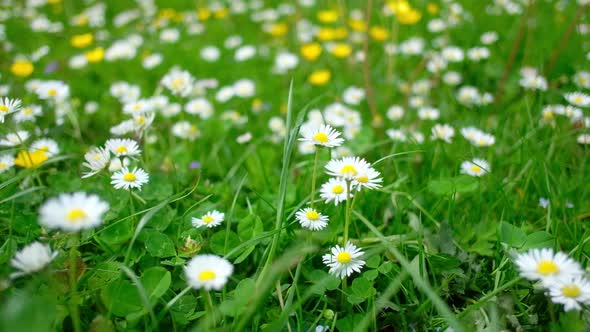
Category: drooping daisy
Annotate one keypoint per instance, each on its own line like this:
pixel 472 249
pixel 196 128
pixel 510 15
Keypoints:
pixel 323 135
pixel 334 190
pixel 344 261
pixel 72 212
pixel 311 219
pixel 208 272
pixel 96 160
pixel 32 258
pixel 368 178
pixel 8 106
pixel 571 292
pixel 127 179
pixel 123 147
pixel 347 168
pixel 546 265
pixel 476 167
pixel 578 99
pixel 209 219
pixel 6 162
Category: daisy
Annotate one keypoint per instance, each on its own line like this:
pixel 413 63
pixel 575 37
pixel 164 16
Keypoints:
pixel 201 107
pixel 208 272
pixel 323 135
pixel 397 135
pixel 443 132
pixel 179 82
pixel 344 261
pixel 347 168
pixel 28 113
pixel 395 112
pixel 584 139
pixel 571 292
pixel 311 219
pixel 53 90
pixel 32 258
pixel 244 88
pixel 353 95
pixel 578 99
pixel 209 219
pixel 72 212
pixel 127 179
pixel 428 113
pixel 546 265
pixel 334 190
pixel 14 139
pixel 8 106
pixel 122 147
pixel 185 129
pixel 96 160
pixel 368 178
pixel 6 162
pixel 46 145
pixel 138 107
pixel 475 167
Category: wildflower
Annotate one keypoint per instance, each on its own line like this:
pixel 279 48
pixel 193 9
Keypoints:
pixel 343 261
pixel 32 258
pixel 53 90
pixel 122 147
pixel 6 162
pixel 428 113
pixel 179 82
pixel 367 178
pixel 185 129
pixel 397 135
pixel 28 159
pixel 324 135
pixel 8 106
pixel 584 139
pixel 22 68
pixel 443 132
pixel 127 179
pixel 571 292
pixel 14 139
pixel 578 99
pixel 27 113
pixel 334 190
pixel 353 95
pixel 46 145
pixel 208 272
pixel 475 167
pixel 311 51
pixel 543 202
pixel 395 112
pixel 311 219
pixel 72 212
pixel 209 219
pixel 319 77
pixel 96 160
pixel 82 41
pixel 95 55
pixel 546 265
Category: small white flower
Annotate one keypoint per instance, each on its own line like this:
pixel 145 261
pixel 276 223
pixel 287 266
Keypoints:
pixel 32 258
pixel 578 99
pixel 323 135
pixel 367 178
pixel 72 212
pixel 127 179
pixel 209 219
pixel 344 261
pixel 46 145
pixel 546 265
pixel 96 160
pixel 475 167
pixel 6 162
pixel 208 272
pixel 14 139
pixel 584 139
pixel 571 292
pixel 8 106
pixel 395 112
pixel 347 168
pixel 311 219
pixel 122 147
pixel 334 190
pixel 201 107
pixel 443 132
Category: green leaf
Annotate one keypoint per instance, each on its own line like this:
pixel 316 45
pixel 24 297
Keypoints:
pixel 361 289
pixel 157 243
pixel 249 227
pixel 103 274
pixel 118 233
pixel 156 281
pixel 218 245
pixel 121 298
pixel 539 239
pixel 325 280
pixel 448 186
pixel 512 235
pixel 385 267
pixel 374 261
pixel 349 323
pixel 242 295
pixel 443 262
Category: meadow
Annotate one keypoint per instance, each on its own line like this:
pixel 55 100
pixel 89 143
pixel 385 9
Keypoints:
pixel 309 165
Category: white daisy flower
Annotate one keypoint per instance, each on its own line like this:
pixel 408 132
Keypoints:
pixel 244 88
pixel 443 132
pixel 208 272
pixel 578 99
pixel 353 95
pixel 122 147
pixel 72 212
pixel 344 261
pixel 28 113
pixel 53 90
pixel 32 258
pixel 209 219
pixel 127 179
pixel 201 107
pixel 396 135
pixel 138 107
pixel 584 139
pixel 96 160
pixel 8 106
pixel 475 167
pixel 179 82
pixel 347 168
pixel 334 190
pixel 6 162
pixel 14 139
pixel 546 265
pixel 395 112
pixel 46 145
pixel 311 219
pixel 582 79
pixel 368 178
pixel 570 291
pixel 187 130
pixel 323 135
pixel 428 113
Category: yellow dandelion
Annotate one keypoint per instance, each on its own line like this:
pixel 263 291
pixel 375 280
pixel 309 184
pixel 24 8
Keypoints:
pixel 22 68
pixel 81 41
pixel 319 77
pixel 28 159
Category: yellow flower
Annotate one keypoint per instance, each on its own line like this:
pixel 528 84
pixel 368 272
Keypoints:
pixel 311 51
pixel 341 50
pixel 30 159
pixel 221 13
pixel 278 29
pixel 81 41
pixel 378 33
pixel 327 16
pixel 95 55
pixel 167 13
pixel 203 14
pixel 22 68
pixel 357 25
pixel 81 20
pixel 340 33
pixel 432 8
pixel 319 77
pixel 53 2
pixel 326 34
pixel 410 17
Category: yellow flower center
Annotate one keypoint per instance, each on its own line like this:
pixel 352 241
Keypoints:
pixel 140 120
pixel 312 215
pixel 97 157
pixel 3 165
pixel 363 179
pixel 475 169
pixel 207 219
pixel 52 92
pixel 578 100
pixel 129 177
pixel 321 137
pixel 338 189
pixel 27 111
pixel 3 108
pixel 76 215
pixel 206 275
pixel 547 268
pixel 343 257
pixel 177 83
pixel 121 149
pixel 571 291
pixel 136 107
pixel 348 169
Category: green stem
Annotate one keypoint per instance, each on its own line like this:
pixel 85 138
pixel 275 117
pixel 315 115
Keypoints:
pixel 209 308
pixel 313 179
pixel 74 310
pixel 347 213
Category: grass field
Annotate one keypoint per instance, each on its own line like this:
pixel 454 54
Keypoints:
pixel 305 165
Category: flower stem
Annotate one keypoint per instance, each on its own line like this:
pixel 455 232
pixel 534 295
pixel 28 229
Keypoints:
pixel 313 178
pixel 347 213
pixel 74 310
pixel 209 308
